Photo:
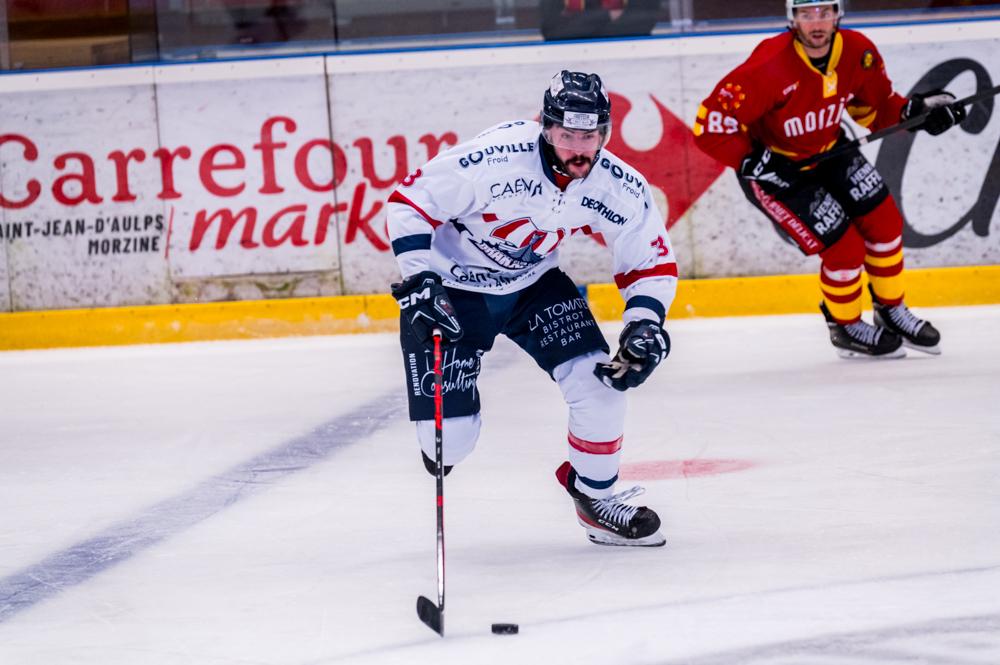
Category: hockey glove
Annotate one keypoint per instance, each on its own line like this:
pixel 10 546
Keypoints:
pixel 424 306
pixel 642 346
pixel 765 166
pixel 942 112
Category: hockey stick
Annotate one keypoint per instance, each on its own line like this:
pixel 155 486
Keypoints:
pixel 429 613
pixel 915 121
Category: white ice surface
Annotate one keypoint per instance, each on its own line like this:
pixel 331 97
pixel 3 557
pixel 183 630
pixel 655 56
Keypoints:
pixel 263 502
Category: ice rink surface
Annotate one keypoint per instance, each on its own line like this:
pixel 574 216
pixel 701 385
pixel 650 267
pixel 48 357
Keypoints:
pixel 263 502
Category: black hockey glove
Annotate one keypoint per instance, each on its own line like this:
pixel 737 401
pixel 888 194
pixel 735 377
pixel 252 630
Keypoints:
pixel 642 346
pixel 425 306
pixel 765 166
pixel 942 112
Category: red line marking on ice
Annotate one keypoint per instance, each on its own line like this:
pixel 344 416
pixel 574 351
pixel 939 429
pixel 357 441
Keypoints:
pixel 690 468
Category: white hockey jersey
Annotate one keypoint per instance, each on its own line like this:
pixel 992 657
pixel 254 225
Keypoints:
pixel 487 216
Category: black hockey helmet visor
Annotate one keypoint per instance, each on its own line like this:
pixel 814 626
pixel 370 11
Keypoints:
pixel 576 112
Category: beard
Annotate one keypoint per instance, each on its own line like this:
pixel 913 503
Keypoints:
pixel 579 163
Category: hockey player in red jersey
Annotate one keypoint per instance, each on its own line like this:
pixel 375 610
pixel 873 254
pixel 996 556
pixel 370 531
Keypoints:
pixel 784 104
pixel 476 233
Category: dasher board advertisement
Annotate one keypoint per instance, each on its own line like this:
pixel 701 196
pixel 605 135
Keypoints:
pixel 268 178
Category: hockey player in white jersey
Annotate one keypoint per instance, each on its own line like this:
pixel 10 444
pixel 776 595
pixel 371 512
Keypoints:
pixel 478 229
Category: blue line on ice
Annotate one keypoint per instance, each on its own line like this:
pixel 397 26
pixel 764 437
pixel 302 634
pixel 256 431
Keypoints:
pixel 120 542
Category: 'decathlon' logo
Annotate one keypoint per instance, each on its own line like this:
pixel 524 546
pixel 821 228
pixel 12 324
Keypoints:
pixel 867 59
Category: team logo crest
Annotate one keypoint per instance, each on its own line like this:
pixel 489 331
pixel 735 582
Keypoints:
pixel 731 97
pixel 518 244
pixel 867 59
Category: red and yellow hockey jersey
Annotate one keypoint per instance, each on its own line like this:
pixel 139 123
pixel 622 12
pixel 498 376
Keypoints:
pixel 778 98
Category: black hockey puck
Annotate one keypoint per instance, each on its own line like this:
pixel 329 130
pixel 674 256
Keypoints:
pixel 504 628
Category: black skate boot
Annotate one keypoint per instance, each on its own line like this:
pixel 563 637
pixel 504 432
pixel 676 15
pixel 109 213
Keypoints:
pixel 610 521
pixel 916 333
pixel 862 340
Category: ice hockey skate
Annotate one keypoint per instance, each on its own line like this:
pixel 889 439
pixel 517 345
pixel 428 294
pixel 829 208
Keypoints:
pixel 611 521
pixel 863 340
pixel 915 332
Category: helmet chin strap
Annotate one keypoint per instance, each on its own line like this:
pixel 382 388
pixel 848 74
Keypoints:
pixel 557 165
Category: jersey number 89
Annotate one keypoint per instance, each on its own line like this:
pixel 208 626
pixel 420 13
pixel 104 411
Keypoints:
pixel 722 124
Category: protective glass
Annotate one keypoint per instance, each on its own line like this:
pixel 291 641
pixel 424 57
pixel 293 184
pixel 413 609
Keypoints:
pixel 816 14
pixel 577 140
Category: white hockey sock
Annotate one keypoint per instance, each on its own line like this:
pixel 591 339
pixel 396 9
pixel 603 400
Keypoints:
pixel 596 421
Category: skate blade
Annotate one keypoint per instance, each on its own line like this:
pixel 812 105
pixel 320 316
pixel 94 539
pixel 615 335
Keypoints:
pixel 930 350
pixel 858 355
pixel 605 538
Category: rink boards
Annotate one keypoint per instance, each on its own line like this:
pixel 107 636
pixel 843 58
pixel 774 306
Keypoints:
pixel 264 180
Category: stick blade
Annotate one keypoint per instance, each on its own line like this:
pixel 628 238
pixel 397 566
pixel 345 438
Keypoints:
pixel 430 614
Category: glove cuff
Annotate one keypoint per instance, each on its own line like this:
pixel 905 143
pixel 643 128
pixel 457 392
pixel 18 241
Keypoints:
pixel 401 289
pixel 631 326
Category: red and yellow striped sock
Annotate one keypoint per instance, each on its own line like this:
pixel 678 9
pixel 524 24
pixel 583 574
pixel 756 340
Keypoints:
pixel 842 293
pixel 884 265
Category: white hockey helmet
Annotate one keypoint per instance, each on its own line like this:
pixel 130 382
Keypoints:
pixel 792 5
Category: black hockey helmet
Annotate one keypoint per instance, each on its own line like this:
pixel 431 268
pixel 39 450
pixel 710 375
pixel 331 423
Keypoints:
pixel 577 101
